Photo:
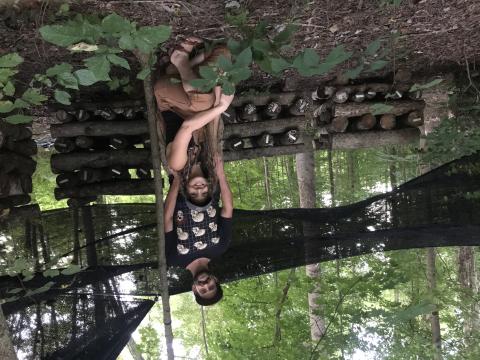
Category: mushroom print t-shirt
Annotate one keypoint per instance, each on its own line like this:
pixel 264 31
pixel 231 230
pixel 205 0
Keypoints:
pixel 198 231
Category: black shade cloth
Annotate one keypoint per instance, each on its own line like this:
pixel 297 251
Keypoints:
pixel 117 244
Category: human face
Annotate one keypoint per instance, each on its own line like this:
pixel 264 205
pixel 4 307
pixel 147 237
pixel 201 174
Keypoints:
pixel 197 189
pixel 205 285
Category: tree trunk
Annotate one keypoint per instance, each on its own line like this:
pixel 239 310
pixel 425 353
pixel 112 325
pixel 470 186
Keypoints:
pixel 266 180
pixel 133 350
pixel 306 189
pixel 434 317
pixel 7 352
pixel 468 279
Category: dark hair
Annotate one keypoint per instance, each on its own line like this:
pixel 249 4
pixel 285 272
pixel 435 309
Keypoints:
pixel 207 302
pixel 205 156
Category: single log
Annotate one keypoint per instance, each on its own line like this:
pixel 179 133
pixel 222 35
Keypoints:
pixel 69 179
pixel 370 94
pixel 90 142
pixel 290 137
pixel 374 138
pixel 11 201
pixel 64 145
pixel 323 93
pixel 387 121
pixel 99 159
pixel 119 142
pixel 394 95
pixel 130 114
pixel 230 116
pixel 375 87
pixel 26 147
pixel 284 98
pixel 266 139
pixel 63 116
pixel 413 119
pixel 263 152
pixel 339 124
pixel 300 107
pixel 100 128
pixel 144 172
pixel 397 108
pixel 10 161
pixel 273 126
pixel 90 175
pixel 235 143
pixel 358 97
pixel 119 172
pixel 117 187
pixel 15 132
pixel 82 115
pixel 365 122
pixel 342 95
pixel 272 110
pixel 249 113
pixel 10 185
pixel 107 114
pixel 79 202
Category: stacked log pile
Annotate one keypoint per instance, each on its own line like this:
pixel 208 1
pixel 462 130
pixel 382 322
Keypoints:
pixel 101 151
pixel 101 148
pixel 16 165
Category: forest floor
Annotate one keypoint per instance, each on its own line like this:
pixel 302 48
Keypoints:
pixel 426 37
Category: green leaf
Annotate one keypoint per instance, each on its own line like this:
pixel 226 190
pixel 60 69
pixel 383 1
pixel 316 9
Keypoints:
pixel 234 46
pixel 34 97
pixel 228 88
pixel 203 85
pixel 19 265
pixel 19 119
pixel 9 89
pixel 378 109
pixel 85 77
pixel 428 85
pixel 114 84
pixel 260 30
pixel 244 59
pixel 414 311
pixel 59 69
pixel 21 104
pixel 265 64
pixel 71 269
pixel 285 36
pixel 51 273
pixel 144 73
pixel 14 291
pixel 99 66
pixel 378 65
pixel 310 57
pixel 208 73
pixel 334 58
pixel 126 42
pixel 117 60
pixel 68 80
pixel 373 47
pixel 224 63
pixel 62 97
pixel 261 45
pixel 279 64
pixel 114 24
pixel 237 75
pixel 40 290
pixel 6 74
pixel 63 10
pixel 10 60
pixel 355 72
pixel 61 35
pixel 147 38
pixel 124 80
pixel 6 106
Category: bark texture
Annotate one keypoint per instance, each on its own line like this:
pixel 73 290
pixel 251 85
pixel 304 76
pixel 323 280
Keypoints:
pixel 7 352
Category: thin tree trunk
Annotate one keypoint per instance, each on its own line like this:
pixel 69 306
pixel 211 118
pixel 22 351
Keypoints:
pixel 278 329
pixel 7 352
pixel 306 190
pixel 468 279
pixel 204 330
pixel 133 350
pixel 156 148
pixel 331 177
pixel 434 317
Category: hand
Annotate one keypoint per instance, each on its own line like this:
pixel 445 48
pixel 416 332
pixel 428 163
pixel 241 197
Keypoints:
pixel 225 100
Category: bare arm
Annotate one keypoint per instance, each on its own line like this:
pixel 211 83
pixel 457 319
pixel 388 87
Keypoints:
pixel 177 157
pixel 225 192
pixel 170 202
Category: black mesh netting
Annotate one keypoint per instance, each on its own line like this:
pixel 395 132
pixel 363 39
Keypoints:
pixel 118 247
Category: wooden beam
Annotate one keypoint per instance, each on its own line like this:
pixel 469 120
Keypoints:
pixel 117 187
pixel 74 161
pixel 100 128
pixel 399 107
pixel 275 126
pixel 284 98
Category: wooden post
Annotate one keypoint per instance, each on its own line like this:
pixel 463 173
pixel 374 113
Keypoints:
pixel 69 179
pixel 266 139
pixel 413 119
pixel 339 124
pixel 387 121
pixel 64 145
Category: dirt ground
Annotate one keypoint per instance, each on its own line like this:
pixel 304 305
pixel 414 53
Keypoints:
pixel 433 34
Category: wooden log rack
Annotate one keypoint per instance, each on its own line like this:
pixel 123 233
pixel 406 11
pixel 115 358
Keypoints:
pixel 112 136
